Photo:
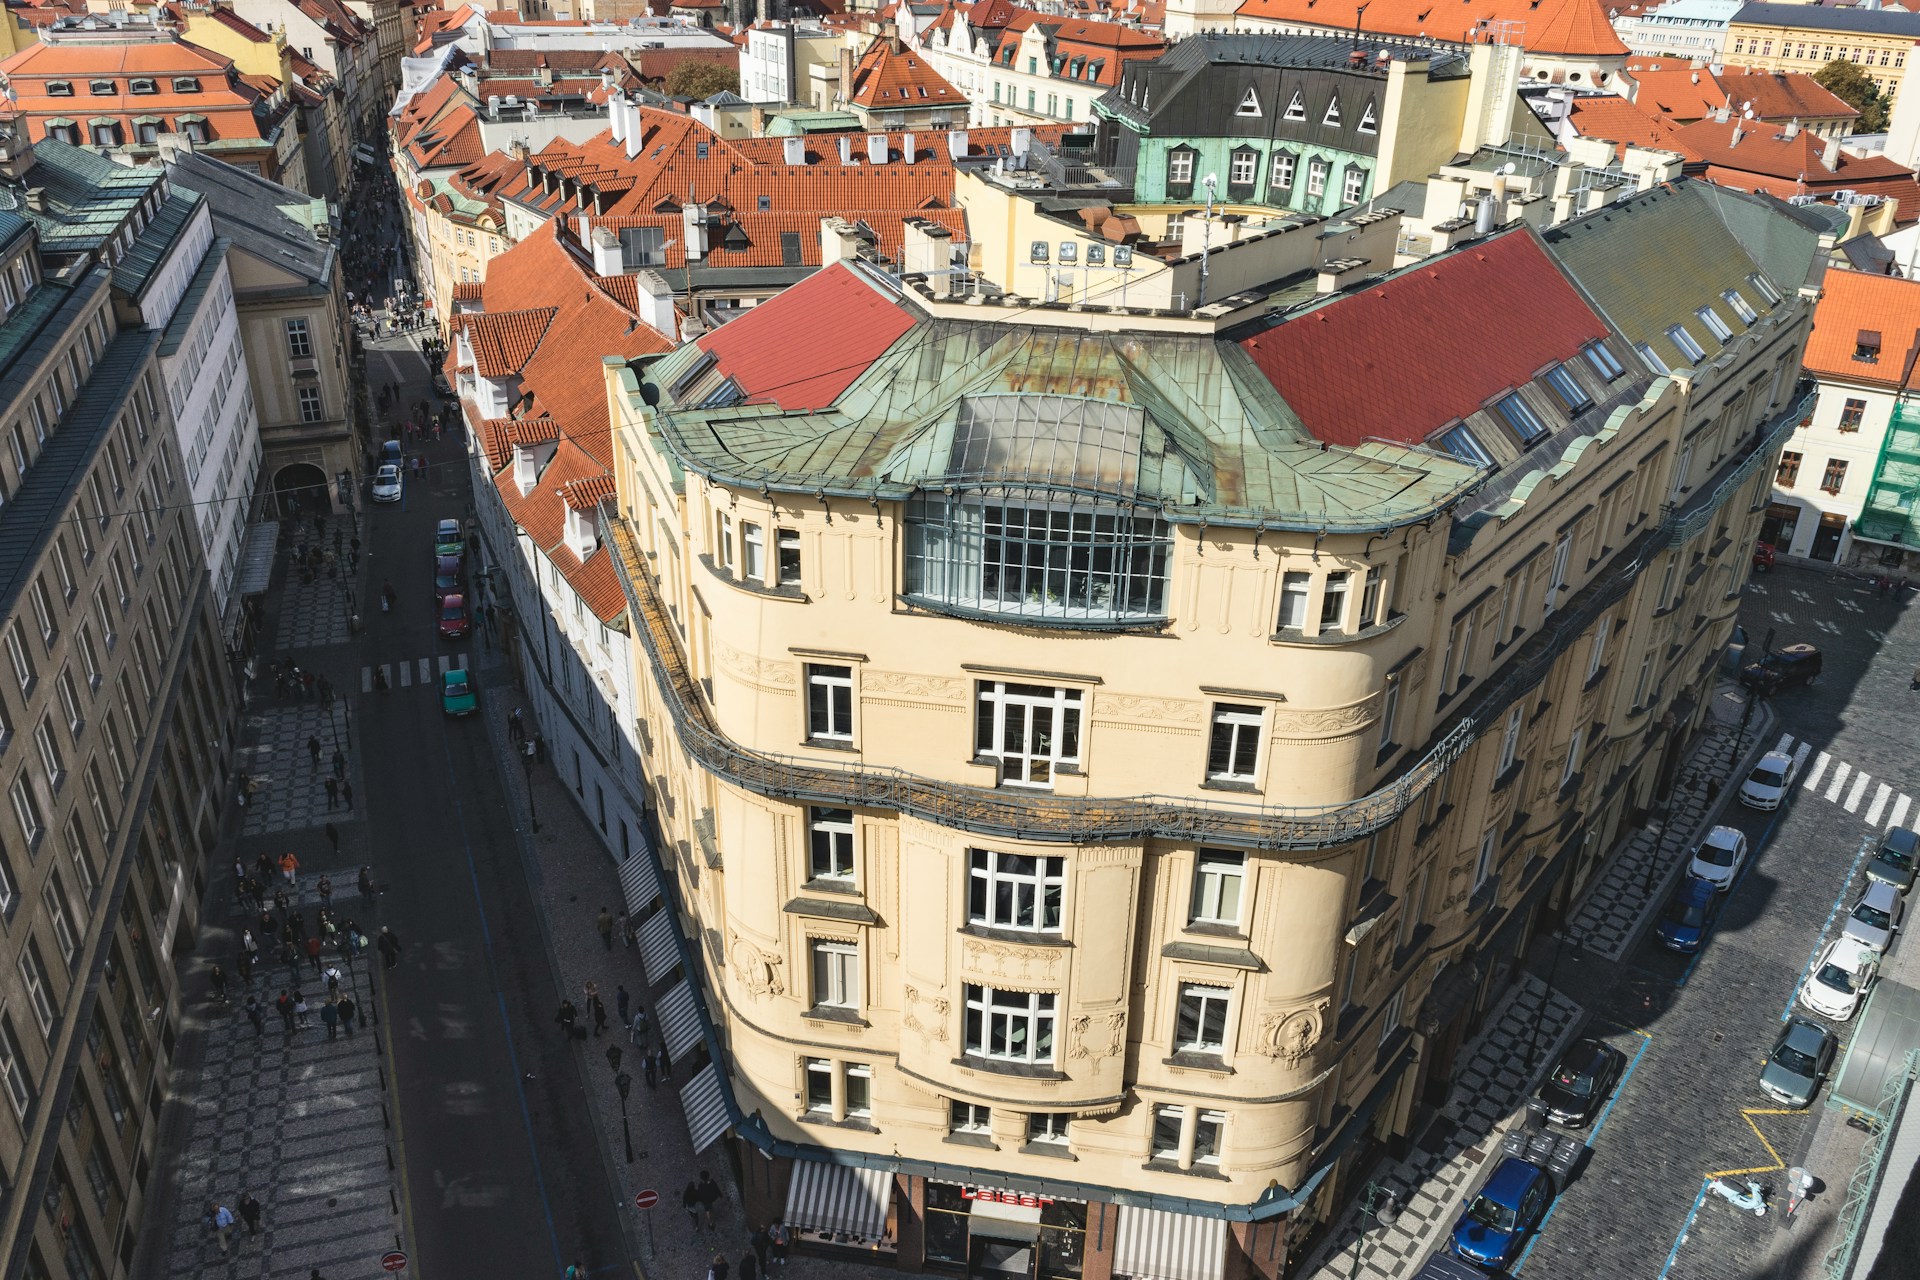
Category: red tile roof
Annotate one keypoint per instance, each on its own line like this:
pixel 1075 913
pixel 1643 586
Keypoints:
pixel 1576 28
pixel 1852 301
pixel 891 75
pixel 760 235
pixel 1754 156
pixel 1783 95
pixel 774 351
pixel 1617 120
pixel 1402 359
pixel 1677 90
pixel 503 341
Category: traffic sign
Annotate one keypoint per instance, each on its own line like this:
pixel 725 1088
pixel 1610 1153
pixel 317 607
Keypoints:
pixel 645 1199
pixel 395 1261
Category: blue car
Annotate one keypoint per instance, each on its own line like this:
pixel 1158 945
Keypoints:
pixel 1688 915
pixel 1507 1210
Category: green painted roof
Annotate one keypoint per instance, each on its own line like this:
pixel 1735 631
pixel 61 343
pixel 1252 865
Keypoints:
pixel 1180 422
pixel 790 123
pixel 88 196
pixel 134 272
pixel 1653 259
pixel 1783 239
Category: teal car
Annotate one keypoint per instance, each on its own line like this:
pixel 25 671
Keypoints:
pixel 457 694
pixel 448 540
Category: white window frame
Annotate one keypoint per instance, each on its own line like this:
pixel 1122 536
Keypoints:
pixel 1243 168
pixel 299 337
pixel 312 407
pixel 1509 743
pixel 1203 1019
pixel 1572 766
pixel 61 920
pixel 51 764
pixel 830 713
pixel 818 1074
pixel 1209 1122
pixel 1651 358
pixel 22 661
pixel 1484 861
pixel 32 823
pixel 1689 345
pixel 787 557
pixel 1740 306
pixel 1164 1114
pixel 1316 177
pixel 1180 164
pixel 1353 185
pixel 1297 109
pixel 1029 756
pixel 1219 888
pixel 1557 578
pixel 723 540
pixel 1296 589
pixel 829 837
pixel 1715 325
pixel 850 1072
pixel 33 974
pixel 834 967
pixel 1050 1128
pixel 1240 729
pixel 753 551
pixel 1280 171
pixel 1003 887
pixel 1009 1017
pixel 968 1117
pixel 13 1071
pixel 1597 654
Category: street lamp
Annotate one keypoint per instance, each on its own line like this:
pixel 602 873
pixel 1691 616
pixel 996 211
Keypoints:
pixel 526 763
pixel 624 1083
pixel 1376 1202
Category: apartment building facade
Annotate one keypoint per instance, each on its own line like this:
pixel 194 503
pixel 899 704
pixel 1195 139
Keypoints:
pixel 1018 67
pixel 1105 765
pixel 1806 37
pixel 115 713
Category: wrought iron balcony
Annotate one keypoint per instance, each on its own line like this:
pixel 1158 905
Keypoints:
pixel 1026 815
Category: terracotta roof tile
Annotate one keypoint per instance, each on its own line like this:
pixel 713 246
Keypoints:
pixel 503 341
pixel 1403 358
pixel 599 586
pixel 466 290
pixel 1754 156
pixel 1573 27
pixel 1853 301
pixel 773 351
pixel 532 431
pixel 890 74
pixel 585 495
pixel 1617 120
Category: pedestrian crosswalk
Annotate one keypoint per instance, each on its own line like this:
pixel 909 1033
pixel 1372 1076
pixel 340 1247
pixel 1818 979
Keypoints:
pixel 412 671
pixel 1840 783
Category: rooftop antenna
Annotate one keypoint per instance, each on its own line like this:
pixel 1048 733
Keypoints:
pixel 1359 16
pixel 1206 235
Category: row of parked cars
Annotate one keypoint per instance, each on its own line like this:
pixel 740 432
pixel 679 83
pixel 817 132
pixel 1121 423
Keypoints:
pixel 457 694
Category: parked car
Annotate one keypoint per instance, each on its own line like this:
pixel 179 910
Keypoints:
pixel 1840 978
pixel 1763 556
pixel 1876 917
pixel 453 617
pixel 1767 785
pixel 1719 857
pixel 1893 864
pixel 1802 1055
pixel 390 453
pixel 446 575
pixel 448 540
pixel 1782 669
pixel 457 694
pixel 386 484
pixel 440 385
pixel 1689 913
pixel 1581 1081
pixel 1508 1209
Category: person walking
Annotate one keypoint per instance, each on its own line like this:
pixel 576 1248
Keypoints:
pixel 665 1064
pixel 330 1016
pixel 690 1201
pixel 333 791
pixel 777 1234
pixel 325 889
pixel 759 1243
pixel 632 932
pixel 516 728
pixel 605 925
pixel 638 1030
pixel 250 1211
pixel 622 1002
pixel 346 792
pixel 313 953
pixel 313 749
pixel 300 1010
pixel 290 869
pixel 565 1017
pixel 749 1269
pixel 284 1007
pixel 717 1269
pixel 244 963
pixel 366 885
pixel 348 1011
pixel 648 1070
pixel 257 1016
pixel 218 981
pixel 620 925
pixel 710 1195
pixel 389 946
pixel 219 1221
pixel 333 838
pixel 597 1007
pixel 339 763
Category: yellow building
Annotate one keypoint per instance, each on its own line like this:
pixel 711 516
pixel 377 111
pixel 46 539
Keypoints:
pixel 1101 756
pixel 1806 37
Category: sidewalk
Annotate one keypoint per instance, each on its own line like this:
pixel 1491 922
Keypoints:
pixel 573 877
pixel 1489 1094
pixel 299 1119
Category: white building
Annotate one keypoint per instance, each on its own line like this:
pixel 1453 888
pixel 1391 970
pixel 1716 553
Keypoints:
pixel 1036 69
pixel 765 68
pixel 481 33
pixel 1695 29
pixel 181 283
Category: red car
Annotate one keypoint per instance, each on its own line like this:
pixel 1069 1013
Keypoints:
pixel 453 616
pixel 1762 557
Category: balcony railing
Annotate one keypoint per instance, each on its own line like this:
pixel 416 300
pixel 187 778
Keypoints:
pixel 1098 820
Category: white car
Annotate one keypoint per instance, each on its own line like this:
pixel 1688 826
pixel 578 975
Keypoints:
pixel 1875 918
pixel 386 484
pixel 1767 785
pixel 1840 979
pixel 1719 857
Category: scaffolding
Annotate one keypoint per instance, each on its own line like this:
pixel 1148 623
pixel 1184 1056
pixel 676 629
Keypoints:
pixel 1889 514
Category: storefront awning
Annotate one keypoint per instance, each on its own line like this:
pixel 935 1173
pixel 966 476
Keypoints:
pixel 679 1017
pixel 839 1198
pixel 638 883
pixel 256 558
pixel 658 954
pixel 1153 1244
pixel 704 1099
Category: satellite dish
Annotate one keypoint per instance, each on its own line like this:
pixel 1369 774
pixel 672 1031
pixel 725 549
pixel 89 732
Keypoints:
pixel 1507 170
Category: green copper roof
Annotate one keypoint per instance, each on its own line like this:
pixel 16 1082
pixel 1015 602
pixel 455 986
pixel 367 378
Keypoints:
pixel 88 197
pixel 1181 422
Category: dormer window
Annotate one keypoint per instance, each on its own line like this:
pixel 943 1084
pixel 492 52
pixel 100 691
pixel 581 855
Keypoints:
pixel 1249 105
pixel 1764 287
pixel 1180 165
pixel 1332 118
pixel 142 86
pixel 1715 325
pixel 1689 345
pixel 101 88
pixel 1741 307
pixel 59 88
pixel 1520 416
pixel 186 84
pixel 1866 346
pixel 1297 109
pixel 1369 120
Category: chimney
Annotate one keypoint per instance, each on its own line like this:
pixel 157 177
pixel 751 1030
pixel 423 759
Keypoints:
pixel 693 231
pixel 606 252
pixel 655 298
pixel 616 119
pixel 1734 141
pixel 1791 131
pixel 846 149
pixel 956 144
pixel 906 149
pixel 1022 144
pixel 795 149
pixel 1483 216
pixel 1720 114
pixel 928 250
pixel 876 148
pixel 1830 154
pixel 635 133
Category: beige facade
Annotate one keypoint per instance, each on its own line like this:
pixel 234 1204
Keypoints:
pixel 114 706
pixel 1134 889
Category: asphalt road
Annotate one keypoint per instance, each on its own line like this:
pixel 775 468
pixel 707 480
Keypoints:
pixel 1695 1029
pixel 503 1170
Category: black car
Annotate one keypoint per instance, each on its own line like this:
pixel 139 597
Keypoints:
pixel 1581 1081
pixel 1894 862
pixel 448 576
pixel 1782 669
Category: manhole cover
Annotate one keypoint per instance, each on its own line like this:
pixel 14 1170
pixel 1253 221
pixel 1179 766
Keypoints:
pixel 332 1201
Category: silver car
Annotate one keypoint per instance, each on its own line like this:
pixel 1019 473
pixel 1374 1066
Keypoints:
pixel 1876 917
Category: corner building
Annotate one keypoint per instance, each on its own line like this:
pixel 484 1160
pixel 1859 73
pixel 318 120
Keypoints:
pixel 1109 762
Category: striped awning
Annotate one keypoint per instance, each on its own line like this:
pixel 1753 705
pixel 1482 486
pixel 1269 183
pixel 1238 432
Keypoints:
pixel 704 1099
pixel 658 954
pixel 678 1015
pixel 639 885
pixel 839 1198
pixel 1154 1244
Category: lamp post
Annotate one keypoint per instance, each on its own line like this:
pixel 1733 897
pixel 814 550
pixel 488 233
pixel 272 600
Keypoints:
pixel 1376 1202
pixel 624 1083
pixel 526 763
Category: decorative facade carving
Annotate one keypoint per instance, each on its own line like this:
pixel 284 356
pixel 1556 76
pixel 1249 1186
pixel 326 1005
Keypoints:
pixel 1291 1034
pixel 755 970
pixel 1022 964
pixel 769 672
pixel 1098 1035
pixel 938 1008
pixel 908 684
pixel 1132 708
pixel 1323 721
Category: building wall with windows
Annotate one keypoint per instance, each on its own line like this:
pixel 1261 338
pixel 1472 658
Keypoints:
pixel 1028 69
pixel 115 718
pixel 1795 37
pixel 1692 29
pixel 1073 811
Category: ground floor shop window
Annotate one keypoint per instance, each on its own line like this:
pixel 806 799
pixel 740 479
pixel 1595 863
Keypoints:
pixel 997 1233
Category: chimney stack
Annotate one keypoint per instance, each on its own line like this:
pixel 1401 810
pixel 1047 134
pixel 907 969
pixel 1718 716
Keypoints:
pixel 635 132
pixel 1830 154
pixel 616 118
pixel 795 149
pixel 906 149
pixel 956 144
pixel 876 148
pixel 606 252
pixel 846 149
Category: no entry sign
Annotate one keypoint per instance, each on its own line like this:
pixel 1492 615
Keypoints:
pixel 645 1199
pixel 395 1261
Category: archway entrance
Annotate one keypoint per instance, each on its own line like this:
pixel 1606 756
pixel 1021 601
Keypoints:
pixel 301 489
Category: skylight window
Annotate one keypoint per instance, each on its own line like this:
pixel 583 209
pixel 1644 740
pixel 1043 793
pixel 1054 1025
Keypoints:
pixel 1715 325
pixel 60 88
pixel 1651 357
pixel 142 86
pixel 1603 361
pixel 1521 417
pixel 1741 307
pixel 185 84
pixel 1688 344
pixel 1764 287
pixel 1464 445
pixel 1568 388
